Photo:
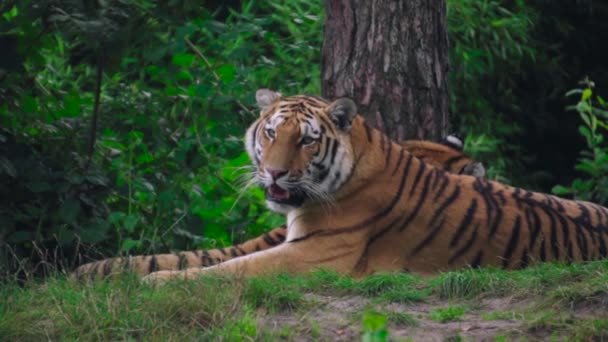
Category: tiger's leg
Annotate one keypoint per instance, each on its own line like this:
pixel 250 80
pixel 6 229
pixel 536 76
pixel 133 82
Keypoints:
pixel 145 264
pixel 295 258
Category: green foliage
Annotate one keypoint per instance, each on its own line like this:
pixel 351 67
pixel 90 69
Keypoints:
pixel 451 313
pixel 276 294
pixel 402 318
pixel 490 42
pixel 593 164
pixel 168 167
pixel 374 327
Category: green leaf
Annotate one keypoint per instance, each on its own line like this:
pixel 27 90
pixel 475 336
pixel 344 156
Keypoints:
pixel 38 187
pixel 116 217
pixel 128 244
pixel 65 236
pixel 584 131
pixel 374 327
pixel 130 222
pixel 226 73
pixel 586 94
pixel 69 210
pixel 561 190
pixel 71 105
pixel 10 14
pixel 29 105
pixel 20 237
pixel 183 59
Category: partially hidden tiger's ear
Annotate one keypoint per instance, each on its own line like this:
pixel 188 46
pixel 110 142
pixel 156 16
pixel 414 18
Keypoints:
pixel 265 97
pixel 342 112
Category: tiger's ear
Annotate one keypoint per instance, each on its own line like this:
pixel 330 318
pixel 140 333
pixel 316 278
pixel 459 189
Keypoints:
pixel 265 97
pixel 342 112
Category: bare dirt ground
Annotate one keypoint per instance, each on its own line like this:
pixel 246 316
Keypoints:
pixel 339 319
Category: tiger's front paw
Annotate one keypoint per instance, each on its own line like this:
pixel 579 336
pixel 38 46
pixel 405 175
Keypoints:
pixel 161 277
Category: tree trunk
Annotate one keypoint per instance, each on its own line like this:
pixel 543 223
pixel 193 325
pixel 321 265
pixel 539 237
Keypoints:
pixel 391 57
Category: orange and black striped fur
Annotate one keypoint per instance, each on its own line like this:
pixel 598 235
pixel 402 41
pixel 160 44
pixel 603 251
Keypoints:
pixel 358 203
pixel 447 156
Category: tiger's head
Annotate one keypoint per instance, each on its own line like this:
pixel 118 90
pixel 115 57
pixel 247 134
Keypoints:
pixel 301 148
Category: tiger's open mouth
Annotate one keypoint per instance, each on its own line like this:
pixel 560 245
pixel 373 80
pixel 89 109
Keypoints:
pixel 280 195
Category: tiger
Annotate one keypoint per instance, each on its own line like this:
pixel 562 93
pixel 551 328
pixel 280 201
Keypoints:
pixel 358 203
pixel 447 155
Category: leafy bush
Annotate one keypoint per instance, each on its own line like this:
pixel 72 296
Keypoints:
pixel 490 42
pixel 176 93
pixel 593 164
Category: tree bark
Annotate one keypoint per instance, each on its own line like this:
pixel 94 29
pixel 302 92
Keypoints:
pixel 391 57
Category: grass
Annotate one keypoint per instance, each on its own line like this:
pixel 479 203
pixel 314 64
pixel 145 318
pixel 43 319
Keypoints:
pixel 451 313
pixel 570 300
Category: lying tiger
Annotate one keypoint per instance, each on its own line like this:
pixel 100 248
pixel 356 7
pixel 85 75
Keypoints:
pixel 357 202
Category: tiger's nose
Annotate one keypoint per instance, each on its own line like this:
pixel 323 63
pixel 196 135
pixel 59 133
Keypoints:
pixel 276 173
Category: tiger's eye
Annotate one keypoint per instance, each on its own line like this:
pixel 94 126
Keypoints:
pixel 307 141
pixel 270 133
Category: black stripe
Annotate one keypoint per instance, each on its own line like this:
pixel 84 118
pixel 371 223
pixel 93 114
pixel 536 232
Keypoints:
pixel 517 198
pixel 408 164
pixel 466 247
pixel 334 151
pixel 153 264
pixel 401 154
pixel 382 141
pixel 450 162
pixel 543 256
pixel 535 226
pixel 328 142
pixel 254 142
pixel 566 235
pixel 433 222
pixel 206 259
pixel 241 250
pixel 428 239
pixel 327 123
pixel 506 258
pixel 492 209
pixel 368 131
pixel 553 229
pixel 269 240
pixel 439 174
pixel 582 243
pixel 442 187
pixel 525 259
pixel 280 237
pixel 223 251
pixel 603 250
pixel 183 262
pixel 421 168
pixel 107 267
pixel 441 209
pixel 233 252
pixel 95 271
pixel 476 263
pixel 361 264
pixel 336 179
pixel 388 153
pixel 421 199
pixel 466 221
